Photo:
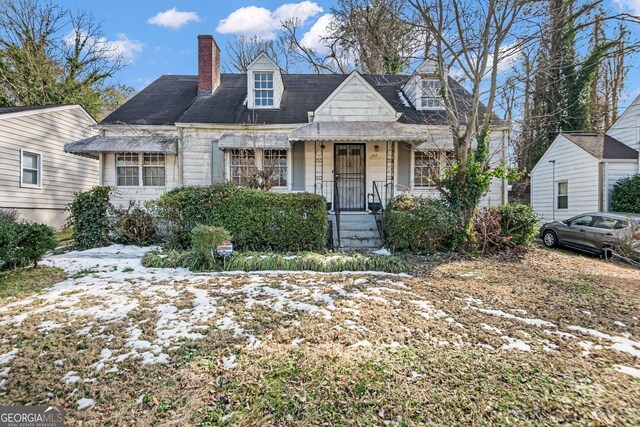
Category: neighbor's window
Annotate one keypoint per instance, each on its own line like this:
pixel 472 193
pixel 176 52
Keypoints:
pixel 426 168
pixel 135 168
pixel 277 159
pixel 31 173
pixel 431 90
pixel 243 167
pixel 563 195
pixel 153 170
pixel 263 89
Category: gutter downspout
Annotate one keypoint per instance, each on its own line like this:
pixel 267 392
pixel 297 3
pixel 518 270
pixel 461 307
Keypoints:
pixel 180 157
pixel 505 181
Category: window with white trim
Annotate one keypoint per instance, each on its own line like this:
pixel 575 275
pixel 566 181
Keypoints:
pixel 31 169
pixel 431 94
pixel 263 89
pixel 134 169
pixel 277 160
pixel 243 167
pixel 563 195
pixel 426 168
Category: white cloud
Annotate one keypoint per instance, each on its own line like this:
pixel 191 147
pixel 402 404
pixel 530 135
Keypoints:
pixel 259 21
pixel 628 5
pixel 122 46
pixel 173 18
pixel 312 39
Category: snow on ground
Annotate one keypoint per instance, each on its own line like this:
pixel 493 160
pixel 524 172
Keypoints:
pixel 162 308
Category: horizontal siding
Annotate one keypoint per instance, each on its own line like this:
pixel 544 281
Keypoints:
pixel 63 174
pixel 627 128
pixel 125 194
pixel 573 165
pixel 355 101
pixel 196 149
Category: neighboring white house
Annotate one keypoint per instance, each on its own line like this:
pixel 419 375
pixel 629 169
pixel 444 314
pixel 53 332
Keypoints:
pixel 373 135
pixel 36 176
pixel 577 173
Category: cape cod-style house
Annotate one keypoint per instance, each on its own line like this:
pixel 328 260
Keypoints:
pixel 356 139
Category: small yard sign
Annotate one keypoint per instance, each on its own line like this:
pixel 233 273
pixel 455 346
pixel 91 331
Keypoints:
pixel 225 249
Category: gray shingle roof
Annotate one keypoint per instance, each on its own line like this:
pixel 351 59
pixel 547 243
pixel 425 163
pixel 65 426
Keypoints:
pixel 173 99
pixel 601 146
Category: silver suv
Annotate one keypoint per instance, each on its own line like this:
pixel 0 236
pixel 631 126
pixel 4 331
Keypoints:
pixel 596 232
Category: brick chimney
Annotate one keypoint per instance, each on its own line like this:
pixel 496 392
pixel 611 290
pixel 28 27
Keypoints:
pixel 208 65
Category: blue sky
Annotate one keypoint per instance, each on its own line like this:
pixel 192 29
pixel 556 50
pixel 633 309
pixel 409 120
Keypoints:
pixel 159 36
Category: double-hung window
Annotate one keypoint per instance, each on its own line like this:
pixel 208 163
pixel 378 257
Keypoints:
pixel 30 169
pixel 563 195
pixel 243 167
pixel 431 94
pixel 277 161
pixel 133 169
pixel 426 168
pixel 263 89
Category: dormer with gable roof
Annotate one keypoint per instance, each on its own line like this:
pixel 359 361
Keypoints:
pixel 264 83
pixel 423 90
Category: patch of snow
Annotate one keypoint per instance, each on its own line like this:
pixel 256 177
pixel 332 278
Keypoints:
pixel 229 362
pixel 514 344
pixel 618 323
pixel 491 328
pixel 559 333
pixel 71 377
pixel 622 344
pixel 9 356
pixel 634 372
pixel 362 343
pixel 59 362
pixel 297 341
pixel 383 252
pixel 85 403
pixel 534 322
pixel 48 325
pixel 253 343
pixel 4 372
pixel 428 311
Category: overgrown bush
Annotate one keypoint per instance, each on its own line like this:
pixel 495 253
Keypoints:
pixel 89 219
pixel 488 230
pixel 10 215
pixel 625 196
pixel 257 219
pixel 133 225
pixel 519 223
pixel 418 224
pixel 204 239
pixel 24 244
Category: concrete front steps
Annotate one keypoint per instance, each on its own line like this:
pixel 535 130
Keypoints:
pixel 358 232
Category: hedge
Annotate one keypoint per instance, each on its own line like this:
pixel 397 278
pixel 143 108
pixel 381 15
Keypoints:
pixel 418 224
pixel 23 244
pixel 625 196
pixel 257 219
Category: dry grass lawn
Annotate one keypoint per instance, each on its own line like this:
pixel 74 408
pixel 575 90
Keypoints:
pixel 550 338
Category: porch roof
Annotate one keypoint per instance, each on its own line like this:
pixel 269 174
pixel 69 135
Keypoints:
pixel 361 131
pixel 128 144
pixel 277 141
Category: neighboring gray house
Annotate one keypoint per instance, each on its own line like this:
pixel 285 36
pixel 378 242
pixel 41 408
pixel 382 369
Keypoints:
pixel 36 176
pixel 368 136
pixel 578 171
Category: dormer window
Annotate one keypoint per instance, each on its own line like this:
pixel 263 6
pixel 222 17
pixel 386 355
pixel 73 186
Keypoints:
pixel 431 94
pixel 263 89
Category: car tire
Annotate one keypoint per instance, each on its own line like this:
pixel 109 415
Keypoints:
pixel 550 239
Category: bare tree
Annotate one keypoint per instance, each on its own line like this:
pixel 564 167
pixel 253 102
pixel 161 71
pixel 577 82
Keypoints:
pixel 244 49
pixel 472 37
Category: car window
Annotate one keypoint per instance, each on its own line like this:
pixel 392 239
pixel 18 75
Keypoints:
pixel 620 224
pixel 584 221
pixel 605 222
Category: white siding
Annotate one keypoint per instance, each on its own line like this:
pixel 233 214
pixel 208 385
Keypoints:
pixel 572 164
pixel 197 154
pixel 627 128
pixel 613 172
pixel 63 174
pixel 354 100
pixel 125 194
